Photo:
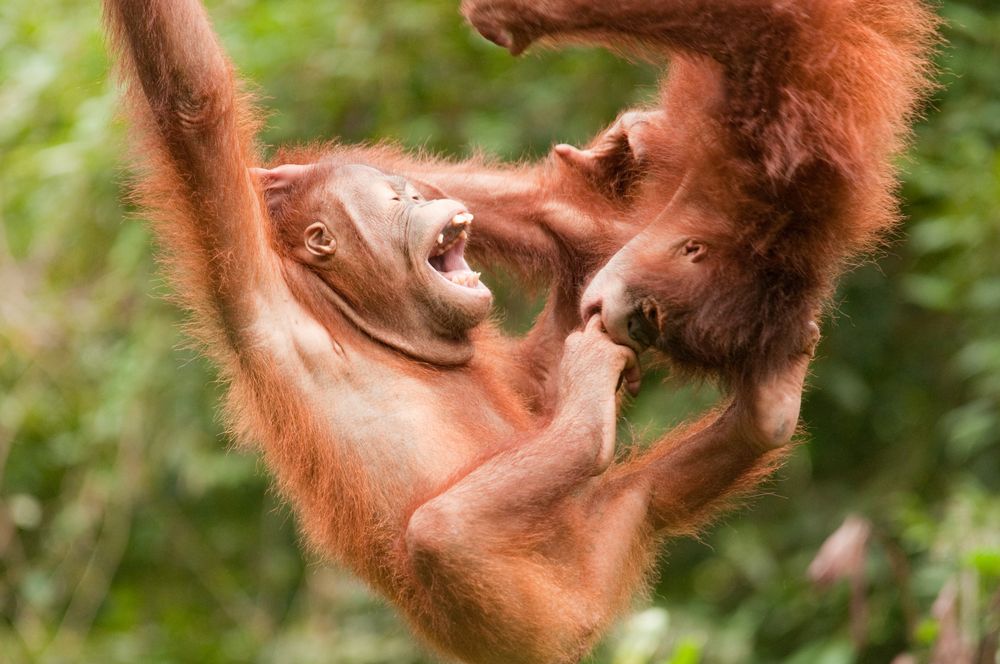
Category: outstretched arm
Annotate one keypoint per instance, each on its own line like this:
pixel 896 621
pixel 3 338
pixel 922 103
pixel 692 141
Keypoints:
pixel 741 83
pixel 194 131
pixel 551 218
pixel 718 28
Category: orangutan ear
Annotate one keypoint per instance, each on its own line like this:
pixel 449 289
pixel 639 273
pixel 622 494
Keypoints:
pixel 279 183
pixel 319 241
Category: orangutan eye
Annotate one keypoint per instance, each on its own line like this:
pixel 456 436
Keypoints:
pixel 694 251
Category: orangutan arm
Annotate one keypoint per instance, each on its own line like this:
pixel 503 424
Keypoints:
pixel 542 220
pixel 693 472
pixel 190 124
pixel 721 29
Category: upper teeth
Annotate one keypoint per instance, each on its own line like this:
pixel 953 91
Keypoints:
pixel 455 230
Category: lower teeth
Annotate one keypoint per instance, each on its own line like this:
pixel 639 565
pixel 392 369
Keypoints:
pixel 467 279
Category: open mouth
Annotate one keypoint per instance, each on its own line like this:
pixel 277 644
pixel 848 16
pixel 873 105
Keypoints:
pixel 447 257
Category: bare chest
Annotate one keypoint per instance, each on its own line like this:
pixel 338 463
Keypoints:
pixel 417 423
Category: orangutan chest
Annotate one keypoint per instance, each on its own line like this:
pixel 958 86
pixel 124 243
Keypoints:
pixel 429 425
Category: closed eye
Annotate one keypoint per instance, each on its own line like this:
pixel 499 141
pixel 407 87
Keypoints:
pixel 694 251
pixel 692 247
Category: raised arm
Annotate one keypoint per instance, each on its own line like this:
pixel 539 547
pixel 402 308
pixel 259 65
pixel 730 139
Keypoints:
pixel 192 133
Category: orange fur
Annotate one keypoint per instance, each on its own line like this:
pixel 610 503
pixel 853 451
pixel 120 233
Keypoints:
pixel 781 121
pixel 475 497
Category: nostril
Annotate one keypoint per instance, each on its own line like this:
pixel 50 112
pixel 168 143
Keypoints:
pixel 641 330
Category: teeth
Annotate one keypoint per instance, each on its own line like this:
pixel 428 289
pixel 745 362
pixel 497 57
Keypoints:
pixel 460 220
pixel 467 279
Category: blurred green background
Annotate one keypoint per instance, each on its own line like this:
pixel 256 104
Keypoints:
pixel 129 532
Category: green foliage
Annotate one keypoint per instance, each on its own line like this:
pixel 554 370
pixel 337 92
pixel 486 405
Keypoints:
pixel 129 531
